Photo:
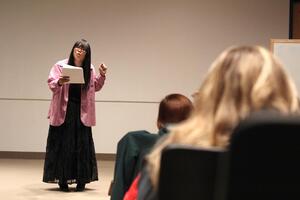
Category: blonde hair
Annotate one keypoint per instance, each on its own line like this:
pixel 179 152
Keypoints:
pixel 241 80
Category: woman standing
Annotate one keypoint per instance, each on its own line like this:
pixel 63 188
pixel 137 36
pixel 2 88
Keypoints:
pixel 70 152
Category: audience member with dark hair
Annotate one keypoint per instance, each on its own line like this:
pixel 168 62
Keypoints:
pixel 132 148
pixel 241 80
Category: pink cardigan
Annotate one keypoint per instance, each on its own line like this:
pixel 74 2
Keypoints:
pixel 60 94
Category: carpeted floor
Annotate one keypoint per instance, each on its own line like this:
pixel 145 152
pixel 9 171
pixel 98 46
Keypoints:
pixel 21 179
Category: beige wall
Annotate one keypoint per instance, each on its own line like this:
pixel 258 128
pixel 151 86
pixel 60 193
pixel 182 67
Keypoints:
pixel 152 48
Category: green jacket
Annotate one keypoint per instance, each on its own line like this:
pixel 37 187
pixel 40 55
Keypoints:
pixel 131 151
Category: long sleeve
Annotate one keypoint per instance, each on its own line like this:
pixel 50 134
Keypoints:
pixel 54 75
pixel 98 80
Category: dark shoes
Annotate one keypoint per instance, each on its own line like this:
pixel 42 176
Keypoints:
pixel 80 187
pixel 63 187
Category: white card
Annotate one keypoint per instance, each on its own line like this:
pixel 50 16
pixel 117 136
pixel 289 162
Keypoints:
pixel 75 73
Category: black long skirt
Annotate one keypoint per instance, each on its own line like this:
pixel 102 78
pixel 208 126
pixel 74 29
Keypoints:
pixel 70 152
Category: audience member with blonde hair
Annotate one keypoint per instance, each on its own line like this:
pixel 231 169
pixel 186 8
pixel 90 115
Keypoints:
pixel 241 80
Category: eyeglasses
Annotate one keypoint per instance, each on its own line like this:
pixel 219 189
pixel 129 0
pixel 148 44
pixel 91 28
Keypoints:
pixel 78 49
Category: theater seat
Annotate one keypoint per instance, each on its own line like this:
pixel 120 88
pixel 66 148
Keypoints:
pixel 191 173
pixel 265 158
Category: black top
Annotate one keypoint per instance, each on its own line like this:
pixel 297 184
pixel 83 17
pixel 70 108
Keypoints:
pixel 75 93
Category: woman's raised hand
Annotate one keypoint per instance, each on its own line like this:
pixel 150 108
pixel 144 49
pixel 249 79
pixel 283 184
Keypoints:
pixel 102 69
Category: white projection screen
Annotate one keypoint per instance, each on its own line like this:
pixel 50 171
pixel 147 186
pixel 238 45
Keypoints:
pixel 288 52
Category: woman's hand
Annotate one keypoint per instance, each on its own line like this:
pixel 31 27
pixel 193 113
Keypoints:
pixel 63 79
pixel 102 69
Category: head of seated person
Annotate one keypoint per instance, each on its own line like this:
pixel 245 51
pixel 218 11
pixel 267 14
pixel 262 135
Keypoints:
pixel 242 80
pixel 173 109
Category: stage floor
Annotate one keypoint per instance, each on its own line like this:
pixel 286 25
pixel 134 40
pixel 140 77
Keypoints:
pixel 21 179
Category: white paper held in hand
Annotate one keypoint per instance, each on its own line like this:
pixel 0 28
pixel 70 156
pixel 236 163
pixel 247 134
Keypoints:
pixel 75 73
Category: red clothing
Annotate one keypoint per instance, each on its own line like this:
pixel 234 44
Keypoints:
pixel 60 94
pixel 132 193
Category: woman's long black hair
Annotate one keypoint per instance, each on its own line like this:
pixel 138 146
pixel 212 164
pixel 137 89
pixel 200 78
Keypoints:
pixel 86 64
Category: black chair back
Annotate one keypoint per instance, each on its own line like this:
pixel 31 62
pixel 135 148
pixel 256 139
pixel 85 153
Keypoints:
pixel 191 173
pixel 265 158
